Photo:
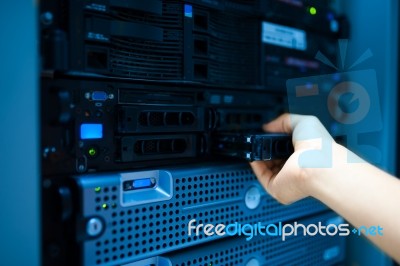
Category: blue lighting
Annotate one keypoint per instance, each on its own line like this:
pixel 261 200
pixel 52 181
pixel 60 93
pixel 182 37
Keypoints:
pixel 142 183
pixel 91 131
pixel 99 96
pixel 188 11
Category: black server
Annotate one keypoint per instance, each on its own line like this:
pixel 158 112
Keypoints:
pixel 136 96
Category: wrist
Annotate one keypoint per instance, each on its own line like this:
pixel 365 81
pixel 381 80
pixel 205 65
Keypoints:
pixel 318 180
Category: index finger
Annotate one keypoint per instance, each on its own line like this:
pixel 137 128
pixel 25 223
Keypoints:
pixel 285 123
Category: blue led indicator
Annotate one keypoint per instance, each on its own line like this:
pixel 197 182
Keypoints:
pixel 334 25
pixel 188 11
pixel 91 131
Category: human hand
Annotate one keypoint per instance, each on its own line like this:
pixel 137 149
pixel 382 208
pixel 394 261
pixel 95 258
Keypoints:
pixel 320 168
pixel 313 146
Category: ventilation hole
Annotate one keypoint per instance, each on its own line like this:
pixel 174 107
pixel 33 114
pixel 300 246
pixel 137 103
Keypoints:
pixel 148 146
pixel 172 118
pixel 156 118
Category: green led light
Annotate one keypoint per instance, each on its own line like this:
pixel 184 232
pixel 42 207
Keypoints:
pixel 92 152
pixel 97 189
pixel 312 10
pixel 104 206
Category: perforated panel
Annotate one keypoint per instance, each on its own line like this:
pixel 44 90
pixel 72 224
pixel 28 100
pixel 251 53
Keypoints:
pixel 210 194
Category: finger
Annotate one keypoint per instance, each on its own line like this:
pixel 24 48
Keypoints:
pixel 277 166
pixel 263 172
pixel 284 124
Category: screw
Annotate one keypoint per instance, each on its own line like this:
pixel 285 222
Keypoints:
pixel 47 18
pixel 81 168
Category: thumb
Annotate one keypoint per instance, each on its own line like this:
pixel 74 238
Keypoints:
pixel 282 124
